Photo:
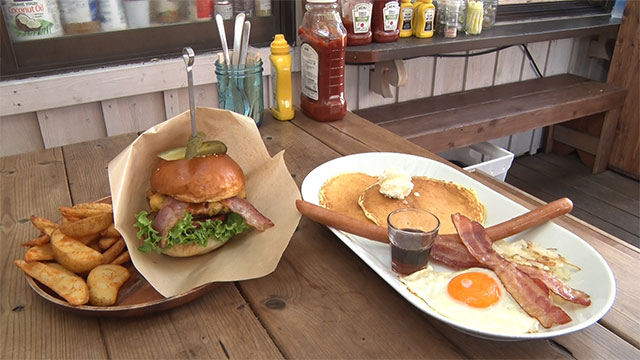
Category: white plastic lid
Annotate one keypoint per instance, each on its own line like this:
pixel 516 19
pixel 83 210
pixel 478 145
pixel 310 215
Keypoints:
pixel 321 1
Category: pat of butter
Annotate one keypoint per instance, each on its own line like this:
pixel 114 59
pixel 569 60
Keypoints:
pixel 395 183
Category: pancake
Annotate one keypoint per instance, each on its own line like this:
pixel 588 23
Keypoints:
pixel 439 197
pixel 341 193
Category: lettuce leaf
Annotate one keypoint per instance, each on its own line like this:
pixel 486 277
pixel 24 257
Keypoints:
pixel 186 231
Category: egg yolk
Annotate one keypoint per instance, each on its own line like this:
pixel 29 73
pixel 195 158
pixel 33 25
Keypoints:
pixel 475 289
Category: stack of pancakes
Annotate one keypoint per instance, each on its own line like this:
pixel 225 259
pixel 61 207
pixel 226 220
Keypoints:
pixel 357 195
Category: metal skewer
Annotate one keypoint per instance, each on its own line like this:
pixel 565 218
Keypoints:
pixel 189 57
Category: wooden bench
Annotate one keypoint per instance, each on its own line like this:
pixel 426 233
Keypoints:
pixel 456 120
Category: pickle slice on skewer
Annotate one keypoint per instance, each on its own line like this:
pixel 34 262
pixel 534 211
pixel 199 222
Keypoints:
pixel 213 147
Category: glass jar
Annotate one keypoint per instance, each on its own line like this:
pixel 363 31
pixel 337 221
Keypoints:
pixel 386 14
pixel 474 18
pixel 322 58
pixel 490 9
pixel 356 18
pixel 240 89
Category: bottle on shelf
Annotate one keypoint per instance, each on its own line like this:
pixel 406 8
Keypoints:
pixel 356 18
pixel 406 19
pixel 386 14
pixel 322 59
pixel 425 19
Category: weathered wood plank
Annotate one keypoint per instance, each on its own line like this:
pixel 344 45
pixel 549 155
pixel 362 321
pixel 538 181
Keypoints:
pixel 509 65
pixel 449 74
pixel 559 57
pixel 625 73
pixel 481 70
pixel 414 108
pixel 538 52
pixel 419 80
pixel 35 184
pixel 176 101
pixel 71 124
pixel 20 134
pixel 133 113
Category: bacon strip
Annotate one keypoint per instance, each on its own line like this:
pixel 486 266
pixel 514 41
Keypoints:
pixel 553 283
pixel 252 216
pixel 168 216
pixel 531 297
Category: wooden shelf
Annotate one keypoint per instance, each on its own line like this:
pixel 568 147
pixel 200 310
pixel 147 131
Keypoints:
pixel 499 35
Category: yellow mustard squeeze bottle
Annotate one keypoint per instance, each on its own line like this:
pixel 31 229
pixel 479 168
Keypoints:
pixel 406 19
pixel 282 95
pixel 425 19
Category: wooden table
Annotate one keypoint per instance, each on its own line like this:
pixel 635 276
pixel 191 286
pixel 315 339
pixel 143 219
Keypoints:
pixel 321 302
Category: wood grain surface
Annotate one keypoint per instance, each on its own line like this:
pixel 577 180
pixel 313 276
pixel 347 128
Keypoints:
pixel 321 302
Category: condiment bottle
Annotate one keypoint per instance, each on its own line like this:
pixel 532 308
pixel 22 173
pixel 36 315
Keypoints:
pixel 386 14
pixel 356 18
pixel 322 58
pixel 282 98
pixel 425 18
pixel 406 19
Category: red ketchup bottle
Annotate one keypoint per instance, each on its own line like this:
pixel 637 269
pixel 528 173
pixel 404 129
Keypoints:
pixel 322 53
pixel 386 14
pixel 356 17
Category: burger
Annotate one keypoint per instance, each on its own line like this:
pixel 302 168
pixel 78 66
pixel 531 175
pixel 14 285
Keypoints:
pixel 197 206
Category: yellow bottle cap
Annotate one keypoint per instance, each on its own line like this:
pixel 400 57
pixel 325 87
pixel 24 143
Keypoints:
pixel 279 45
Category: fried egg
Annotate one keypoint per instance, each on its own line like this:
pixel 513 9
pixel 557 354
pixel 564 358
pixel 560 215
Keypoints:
pixel 474 297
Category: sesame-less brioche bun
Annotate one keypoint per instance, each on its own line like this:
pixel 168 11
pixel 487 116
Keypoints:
pixel 206 178
pixel 186 250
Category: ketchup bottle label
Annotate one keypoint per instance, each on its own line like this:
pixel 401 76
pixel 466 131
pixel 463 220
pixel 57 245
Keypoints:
pixel 309 62
pixel 361 16
pixel 390 14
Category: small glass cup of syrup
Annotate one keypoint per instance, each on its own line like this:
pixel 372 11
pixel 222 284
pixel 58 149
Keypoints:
pixel 411 233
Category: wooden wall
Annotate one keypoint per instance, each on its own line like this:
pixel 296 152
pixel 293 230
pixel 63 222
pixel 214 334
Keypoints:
pixel 55 110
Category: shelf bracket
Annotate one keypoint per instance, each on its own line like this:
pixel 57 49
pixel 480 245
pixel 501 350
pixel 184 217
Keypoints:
pixel 387 74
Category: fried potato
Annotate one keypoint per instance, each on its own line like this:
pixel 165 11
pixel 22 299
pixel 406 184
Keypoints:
pixel 81 212
pixel 69 219
pixel 90 225
pixel 45 226
pixel 111 253
pixel 69 286
pixel 104 283
pixel 40 240
pixel 122 258
pixel 94 205
pixel 87 238
pixel 106 242
pixel 73 254
pixel 39 253
pixel 111 232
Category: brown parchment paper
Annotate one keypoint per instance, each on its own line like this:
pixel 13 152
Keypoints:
pixel 269 188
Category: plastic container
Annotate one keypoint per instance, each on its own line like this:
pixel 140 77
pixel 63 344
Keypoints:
pixel 322 57
pixel 486 157
pixel 199 10
pixel 263 7
pixel 138 13
pixel 405 25
pixel 79 16
pixel 281 89
pixel 112 17
pixel 386 15
pixel 240 89
pixel 425 19
pixel 32 20
pixel 356 18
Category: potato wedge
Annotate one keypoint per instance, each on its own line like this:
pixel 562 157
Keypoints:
pixel 90 225
pixel 69 286
pixel 69 219
pixel 111 232
pixel 87 238
pixel 95 205
pixel 104 283
pixel 106 242
pixel 111 253
pixel 122 258
pixel 80 212
pixel 73 254
pixel 45 226
pixel 40 240
pixel 39 253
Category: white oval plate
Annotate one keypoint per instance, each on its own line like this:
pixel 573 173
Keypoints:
pixel 595 278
